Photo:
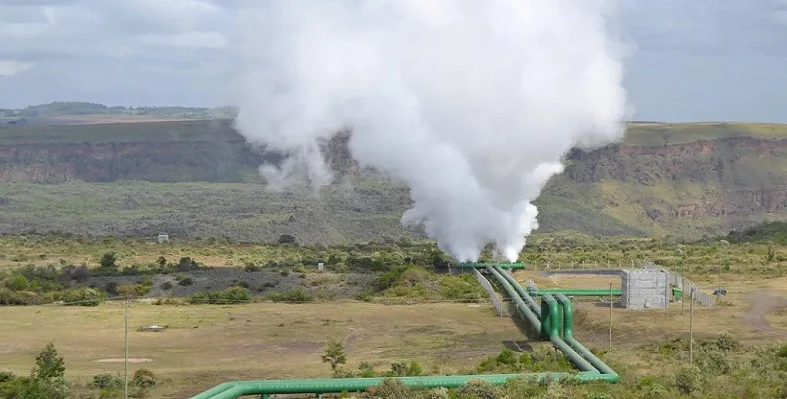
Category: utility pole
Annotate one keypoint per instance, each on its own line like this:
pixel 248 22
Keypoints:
pixel 125 359
pixel 719 279
pixel 610 317
pixel 682 297
pixel 691 328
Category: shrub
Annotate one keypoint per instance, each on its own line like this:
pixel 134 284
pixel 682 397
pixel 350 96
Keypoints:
pixel 18 283
pixel 286 239
pixel 229 296
pixel 251 267
pixel 166 286
pixel 107 381
pixel 144 378
pixel 187 281
pixel 391 389
pixel 689 380
pixel 80 297
pixel 111 288
pixel 297 294
pixel 480 389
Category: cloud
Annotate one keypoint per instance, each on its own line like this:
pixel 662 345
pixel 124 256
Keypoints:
pixel 190 49
pixel 10 67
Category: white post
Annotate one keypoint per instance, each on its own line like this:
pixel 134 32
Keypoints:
pixel 125 372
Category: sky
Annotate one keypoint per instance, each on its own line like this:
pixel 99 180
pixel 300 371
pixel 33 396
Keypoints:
pixel 689 60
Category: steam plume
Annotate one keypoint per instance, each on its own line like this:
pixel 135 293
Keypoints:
pixel 472 102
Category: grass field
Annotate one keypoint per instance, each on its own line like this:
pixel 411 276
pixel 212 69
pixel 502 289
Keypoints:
pixel 206 345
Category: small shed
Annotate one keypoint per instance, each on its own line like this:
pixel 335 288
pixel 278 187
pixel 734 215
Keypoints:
pixel 162 238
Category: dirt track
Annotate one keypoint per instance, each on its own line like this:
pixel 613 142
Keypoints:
pixel 763 305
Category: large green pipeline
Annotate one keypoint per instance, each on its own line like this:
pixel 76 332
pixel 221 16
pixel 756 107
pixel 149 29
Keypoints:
pixel 552 324
pixel 568 336
pixel 576 291
pixel 581 356
pixel 521 291
pixel 234 390
pixel 520 303
pixel 467 265
pixel 555 327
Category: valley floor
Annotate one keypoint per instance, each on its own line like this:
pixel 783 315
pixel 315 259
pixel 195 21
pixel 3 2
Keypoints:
pixel 205 345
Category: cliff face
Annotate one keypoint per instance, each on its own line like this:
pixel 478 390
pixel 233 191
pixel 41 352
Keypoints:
pixel 694 183
pixel 699 187
pixel 227 157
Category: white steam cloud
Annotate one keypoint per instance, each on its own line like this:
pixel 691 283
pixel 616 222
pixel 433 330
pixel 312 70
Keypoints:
pixel 472 102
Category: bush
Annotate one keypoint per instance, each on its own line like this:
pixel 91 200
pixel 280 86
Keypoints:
pixel 689 380
pixel 297 294
pixel 286 239
pixel 187 281
pixel 390 389
pixel 229 296
pixel 251 267
pixel 108 261
pixel 111 288
pixel 166 286
pixel 18 283
pixel 480 389
pixel 144 378
pixel 107 381
pixel 80 297
pixel 134 290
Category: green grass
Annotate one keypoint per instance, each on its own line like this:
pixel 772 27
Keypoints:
pixel 679 133
pixel 692 191
pixel 147 132
pixel 196 130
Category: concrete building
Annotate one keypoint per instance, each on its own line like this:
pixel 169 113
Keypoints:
pixel 644 289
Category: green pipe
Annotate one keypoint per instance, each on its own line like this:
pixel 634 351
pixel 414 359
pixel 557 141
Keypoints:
pixel 555 328
pixel 521 291
pixel 467 265
pixel 234 390
pixel 520 304
pixel 568 312
pixel 555 316
pixel 550 322
pixel 576 291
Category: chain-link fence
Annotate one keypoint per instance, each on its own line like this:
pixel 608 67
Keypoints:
pixel 496 302
pixel 687 286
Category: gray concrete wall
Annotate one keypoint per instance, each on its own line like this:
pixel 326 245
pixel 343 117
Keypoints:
pixel 644 289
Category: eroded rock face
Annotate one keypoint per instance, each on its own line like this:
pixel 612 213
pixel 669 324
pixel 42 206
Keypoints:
pixel 708 176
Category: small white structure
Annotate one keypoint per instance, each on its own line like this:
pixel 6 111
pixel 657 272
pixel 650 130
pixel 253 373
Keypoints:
pixel 162 238
pixel 320 266
pixel 644 289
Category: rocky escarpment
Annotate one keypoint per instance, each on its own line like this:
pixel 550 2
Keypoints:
pixel 685 180
pixel 223 156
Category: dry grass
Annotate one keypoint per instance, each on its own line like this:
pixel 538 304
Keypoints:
pixel 108 118
pixel 566 281
pixel 633 328
pixel 206 345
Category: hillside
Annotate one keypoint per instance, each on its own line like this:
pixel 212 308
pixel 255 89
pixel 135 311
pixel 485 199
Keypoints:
pixel 685 180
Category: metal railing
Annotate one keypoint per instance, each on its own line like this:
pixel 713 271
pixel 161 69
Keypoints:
pixel 496 301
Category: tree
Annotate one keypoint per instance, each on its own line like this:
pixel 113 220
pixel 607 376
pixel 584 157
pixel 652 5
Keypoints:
pixel 108 260
pixel 49 365
pixel 50 372
pixel 18 283
pixel 334 353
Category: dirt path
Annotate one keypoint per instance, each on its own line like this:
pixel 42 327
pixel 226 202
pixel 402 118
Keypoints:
pixel 763 305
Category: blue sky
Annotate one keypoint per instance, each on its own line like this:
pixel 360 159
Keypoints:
pixel 694 60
